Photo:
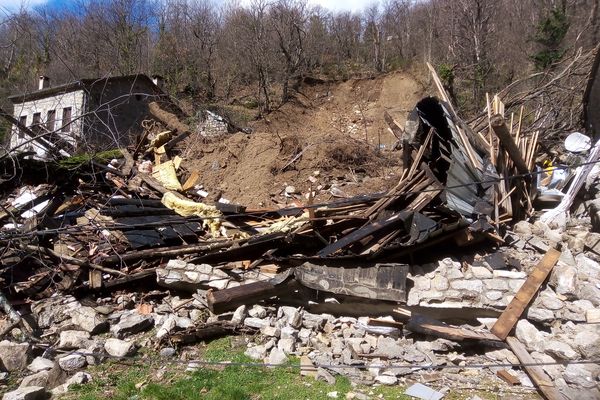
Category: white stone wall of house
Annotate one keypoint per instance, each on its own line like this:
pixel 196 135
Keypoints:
pixel 212 124
pixel 60 104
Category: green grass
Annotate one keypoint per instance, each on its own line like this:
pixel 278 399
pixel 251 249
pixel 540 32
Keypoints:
pixel 77 161
pixel 118 382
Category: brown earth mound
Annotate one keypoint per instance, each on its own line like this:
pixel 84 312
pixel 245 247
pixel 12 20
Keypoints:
pixel 336 129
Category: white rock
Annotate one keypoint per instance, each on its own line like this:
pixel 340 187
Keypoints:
pixel 73 340
pixel 13 356
pixel 270 331
pixel 26 393
pixel 258 352
pixel 288 332
pixel 167 326
pixel 481 272
pixel 540 314
pixel 332 395
pixel 588 343
pixel 559 350
pixel 500 273
pixel 40 364
pixel 288 346
pixel 581 375
pixel 276 357
pixel 529 335
pixel 37 379
pixel 257 311
pixel 386 379
pixel 256 323
pixel 239 314
pixel 89 320
pixel 72 362
pixel 119 348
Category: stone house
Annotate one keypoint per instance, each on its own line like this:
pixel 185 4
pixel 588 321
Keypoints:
pixel 87 114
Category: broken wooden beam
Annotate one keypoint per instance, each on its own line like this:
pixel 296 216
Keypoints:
pixel 535 372
pixel 501 130
pixel 429 326
pixel 517 306
pixel 220 301
pixel 168 252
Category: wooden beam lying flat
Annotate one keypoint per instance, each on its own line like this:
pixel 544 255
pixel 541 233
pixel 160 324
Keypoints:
pixel 515 309
pixel 536 373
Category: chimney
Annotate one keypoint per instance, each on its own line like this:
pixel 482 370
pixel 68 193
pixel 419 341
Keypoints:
pixel 44 82
pixel 158 81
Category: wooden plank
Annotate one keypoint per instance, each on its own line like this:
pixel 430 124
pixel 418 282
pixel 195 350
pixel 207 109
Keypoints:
pixel 224 300
pixel 95 279
pixel 501 130
pixel 508 377
pixel 535 372
pixel 515 309
pixel 191 181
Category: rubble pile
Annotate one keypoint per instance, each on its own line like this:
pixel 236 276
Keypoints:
pixel 441 281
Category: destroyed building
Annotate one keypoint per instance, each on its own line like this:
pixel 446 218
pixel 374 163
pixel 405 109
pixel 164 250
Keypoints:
pixel 86 114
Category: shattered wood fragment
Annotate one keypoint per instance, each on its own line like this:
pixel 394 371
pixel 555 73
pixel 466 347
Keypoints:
pixel 178 274
pixel 508 377
pixel 207 331
pixel 220 301
pixel 168 252
pixel 382 281
pixel 515 309
pixel 536 373
pixel 501 130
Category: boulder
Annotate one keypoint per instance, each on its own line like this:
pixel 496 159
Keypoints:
pixel 72 362
pixel 119 348
pixel 258 352
pixel 529 335
pixel 89 320
pixel 239 314
pixel 388 347
pixel 40 364
pixel 583 375
pixel 73 340
pixel 79 378
pixel 132 323
pixel 37 379
pixel 257 311
pixel 587 342
pixel 54 310
pixel 560 350
pixel 276 357
pixel 26 393
pixel 13 356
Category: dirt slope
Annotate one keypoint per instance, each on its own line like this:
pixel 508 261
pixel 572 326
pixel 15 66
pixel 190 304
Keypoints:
pixel 334 128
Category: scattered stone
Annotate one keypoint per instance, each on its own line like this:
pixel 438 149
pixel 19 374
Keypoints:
pixel 540 314
pixel 388 347
pixel 132 323
pixel 167 352
pixel 54 310
pixel 276 357
pixel 167 326
pixel 257 311
pixel 239 314
pixel 386 379
pixel 37 379
pixel 258 352
pixel 119 348
pixel 560 350
pixel 13 356
pixel 582 375
pixel 26 393
pixel 324 375
pixel 79 378
pixel 40 364
pixel 481 272
pixel 3 377
pixel 588 343
pixel 72 362
pixel 529 335
pixel 89 320
pixel 73 340
pixel 288 346
pixel 332 395
pixel 566 279
pixel 270 331
pixel 292 315
pixel 256 323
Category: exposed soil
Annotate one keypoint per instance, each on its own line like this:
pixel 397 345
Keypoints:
pixel 336 128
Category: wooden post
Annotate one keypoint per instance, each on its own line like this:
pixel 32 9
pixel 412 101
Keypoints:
pixel 501 130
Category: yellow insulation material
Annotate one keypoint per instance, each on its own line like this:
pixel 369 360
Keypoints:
pixel 166 175
pixel 287 224
pixel 188 208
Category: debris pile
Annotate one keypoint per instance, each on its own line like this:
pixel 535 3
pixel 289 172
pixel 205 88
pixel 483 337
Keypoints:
pixel 114 256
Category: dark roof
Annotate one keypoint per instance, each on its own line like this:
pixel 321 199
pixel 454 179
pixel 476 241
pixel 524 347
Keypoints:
pixel 76 85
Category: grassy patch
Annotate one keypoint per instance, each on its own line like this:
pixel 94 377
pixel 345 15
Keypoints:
pixel 77 161
pixel 139 382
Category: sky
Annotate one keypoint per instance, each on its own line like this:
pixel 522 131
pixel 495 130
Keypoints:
pixel 334 5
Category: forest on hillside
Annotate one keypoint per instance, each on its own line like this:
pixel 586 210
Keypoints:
pixel 215 51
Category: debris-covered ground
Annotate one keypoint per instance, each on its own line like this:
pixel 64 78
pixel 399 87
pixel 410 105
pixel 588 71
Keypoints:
pixel 473 261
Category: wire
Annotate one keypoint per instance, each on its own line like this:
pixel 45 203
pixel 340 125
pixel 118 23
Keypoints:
pixel 328 366
pixel 291 210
